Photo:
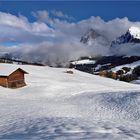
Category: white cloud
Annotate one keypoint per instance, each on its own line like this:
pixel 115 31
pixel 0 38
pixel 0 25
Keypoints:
pixel 53 40
pixel 127 49
pixel 14 21
pixel 60 14
pixel 41 15
pixel 20 29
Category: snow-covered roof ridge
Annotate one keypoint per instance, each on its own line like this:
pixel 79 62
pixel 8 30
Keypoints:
pixel 6 70
pixel 134 31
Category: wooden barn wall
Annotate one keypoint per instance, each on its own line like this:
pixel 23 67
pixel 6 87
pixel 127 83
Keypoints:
pixel 3 81
pixel 16 79
pixel 16 76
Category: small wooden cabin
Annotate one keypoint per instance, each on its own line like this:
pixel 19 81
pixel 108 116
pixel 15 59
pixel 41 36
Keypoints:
pixel 12 77
pixel 103 73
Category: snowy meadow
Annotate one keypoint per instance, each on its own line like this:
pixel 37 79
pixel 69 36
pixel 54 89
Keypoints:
pixel 61 106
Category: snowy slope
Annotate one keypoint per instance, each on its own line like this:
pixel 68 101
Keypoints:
pixel 135 32
pixel 58 105
pixel 55 82
pixel 130 38
pixel 82 62
pixel 131 65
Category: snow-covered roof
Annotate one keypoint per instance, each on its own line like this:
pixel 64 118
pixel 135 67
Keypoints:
pixel 135 32
pixel 5 70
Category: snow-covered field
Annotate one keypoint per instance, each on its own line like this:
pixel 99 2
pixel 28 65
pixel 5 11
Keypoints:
pixel 57 105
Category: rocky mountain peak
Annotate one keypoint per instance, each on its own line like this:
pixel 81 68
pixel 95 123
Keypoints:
pixel 90 34
pixel 131 36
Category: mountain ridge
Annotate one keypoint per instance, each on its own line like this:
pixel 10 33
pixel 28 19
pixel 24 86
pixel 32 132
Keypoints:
pixel 131 36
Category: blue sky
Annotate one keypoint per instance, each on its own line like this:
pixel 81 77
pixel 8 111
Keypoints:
pixel 52 31
pixel 79 9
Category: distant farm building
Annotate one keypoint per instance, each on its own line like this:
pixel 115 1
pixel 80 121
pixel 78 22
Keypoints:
pixel 103 73
pixel 108 74
pixel 12 77
pixel 69 71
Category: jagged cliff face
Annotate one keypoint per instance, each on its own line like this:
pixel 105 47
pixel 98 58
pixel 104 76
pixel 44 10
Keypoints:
pixel 94 39
pixel 131 36
pixel 89 35
pixel 124 50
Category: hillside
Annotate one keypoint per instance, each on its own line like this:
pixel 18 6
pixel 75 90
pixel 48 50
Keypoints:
pixel 58 105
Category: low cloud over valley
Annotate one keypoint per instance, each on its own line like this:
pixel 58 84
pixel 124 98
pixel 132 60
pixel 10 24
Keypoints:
pixel 54 37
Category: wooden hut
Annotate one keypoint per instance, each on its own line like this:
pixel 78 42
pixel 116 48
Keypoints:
pixel 103 73
pixel 11 77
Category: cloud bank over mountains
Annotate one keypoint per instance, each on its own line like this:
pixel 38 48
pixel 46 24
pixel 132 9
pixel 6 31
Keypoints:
pixel 54 36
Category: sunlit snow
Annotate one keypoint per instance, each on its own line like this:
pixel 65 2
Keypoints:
pixel 62 106
pixel 82 62
pixel 135 32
